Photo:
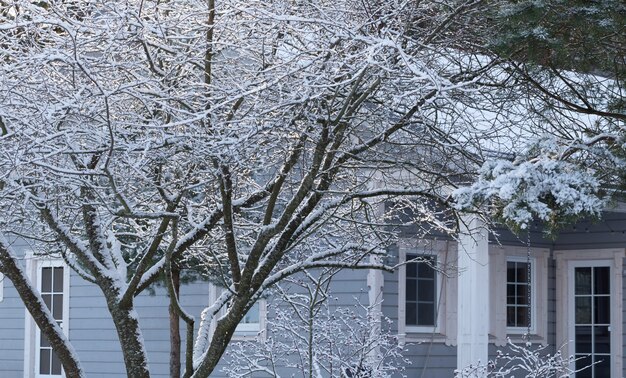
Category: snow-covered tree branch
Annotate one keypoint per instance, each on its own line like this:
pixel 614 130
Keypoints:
pixel 250 139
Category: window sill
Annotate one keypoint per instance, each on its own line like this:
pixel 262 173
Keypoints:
pixel 425 337
pixel 517 338
pixel 248 336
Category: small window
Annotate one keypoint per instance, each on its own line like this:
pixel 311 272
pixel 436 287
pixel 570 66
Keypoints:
pixel 426 305
pixel 252 326
pixel 421 291
pixel 251 322
pixel 51 277
pixel 518 300
pixel 51 289
pixel 518 286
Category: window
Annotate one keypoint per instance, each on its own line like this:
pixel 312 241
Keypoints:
pixel 518 288
pixel 421 290
pixel 51 288
pixel 426 308
pixel 51 277
pixel 519 294
pixel 252 326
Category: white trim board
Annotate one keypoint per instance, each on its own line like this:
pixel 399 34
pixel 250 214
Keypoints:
pixel 445 329
pixel 498 256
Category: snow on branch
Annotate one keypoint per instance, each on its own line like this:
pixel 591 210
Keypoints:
pixel 543 187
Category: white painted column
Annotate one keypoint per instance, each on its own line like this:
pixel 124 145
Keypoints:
pixel 473 295
pixel 375 281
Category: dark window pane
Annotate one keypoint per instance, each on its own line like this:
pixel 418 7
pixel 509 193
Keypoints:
pixel 58 280
pixel 582 279
pixel 583 339
pixel 424 270
pixel 426 290
pixel 510 294
pixel 56 364
pixel 511 321
pixel 411 289
pixel 583 310
pixel 522 294
pixel 57 306
pixel 602 310
pixel 411 313
pixel 522 317
pixel 44 361
pixel 426 314
pixel 46 280
pixel 411 270
pixel 421 287
pixel 601 280
pixel 602 368
pixel 522 272
pixel 510 271
pixel 47 299
pixel 602 339
pixel 583 367
pixel 43 341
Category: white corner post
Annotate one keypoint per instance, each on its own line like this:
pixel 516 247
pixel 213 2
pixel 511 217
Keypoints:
pixel 473 296
pixel 375 282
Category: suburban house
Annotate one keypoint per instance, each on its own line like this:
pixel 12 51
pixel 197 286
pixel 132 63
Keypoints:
pixel 566 292
pixel 173 118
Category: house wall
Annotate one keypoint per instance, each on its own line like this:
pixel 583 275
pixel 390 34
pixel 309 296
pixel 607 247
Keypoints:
pixel 11 333
pixel 427 359
pixel 436 359
pixel 94 337
pixel 92 332
pixel 11 329
pixel 609 232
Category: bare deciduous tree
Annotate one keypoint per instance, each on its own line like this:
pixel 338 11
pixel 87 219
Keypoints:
pixel 257 139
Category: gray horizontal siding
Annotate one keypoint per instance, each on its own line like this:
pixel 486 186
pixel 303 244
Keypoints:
pixel 609 232
pixel 94 336
pixel 92 332
pixel 11 333
pixel 430 360
pixel 95 339
pixel 427 360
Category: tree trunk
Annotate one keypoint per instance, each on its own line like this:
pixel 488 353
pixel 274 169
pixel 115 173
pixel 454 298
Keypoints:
pixel 131 341
pixel 175 362
pixel 222 336
pixel 219 342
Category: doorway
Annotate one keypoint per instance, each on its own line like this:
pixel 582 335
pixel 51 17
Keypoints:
pixel 590 317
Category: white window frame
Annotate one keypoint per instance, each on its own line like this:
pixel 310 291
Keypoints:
pixel 1 287
pixel 499 255
pixel 246 331
pixel 34 264
pixel 533 297
pixel 444 330
pixel 565 260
